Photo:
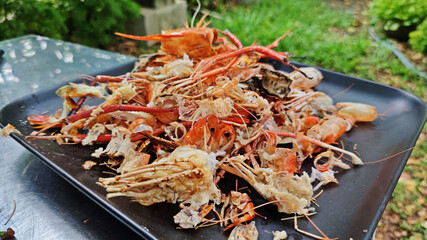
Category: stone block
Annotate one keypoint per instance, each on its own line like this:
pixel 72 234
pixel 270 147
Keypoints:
pixel 170 15
pixel 155 3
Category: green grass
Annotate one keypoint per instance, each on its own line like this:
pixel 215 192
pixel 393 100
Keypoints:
pixel 326 37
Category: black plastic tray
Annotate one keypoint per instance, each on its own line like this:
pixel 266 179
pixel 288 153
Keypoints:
pixel 351 209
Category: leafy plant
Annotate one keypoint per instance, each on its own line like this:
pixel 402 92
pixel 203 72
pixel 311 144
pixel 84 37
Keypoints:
pixel 94 22
pixel 87 22
pixel 397 13
pixel 418 38
pixel 30 17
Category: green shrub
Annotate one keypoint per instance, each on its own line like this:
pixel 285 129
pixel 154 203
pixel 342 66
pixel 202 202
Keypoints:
pixel 94 22
pixel 396 13
pixel 20 17
pixel 418 38
pixel 91 22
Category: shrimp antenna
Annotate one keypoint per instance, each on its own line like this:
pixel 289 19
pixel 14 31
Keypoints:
pixel 195 13
pixel 298 70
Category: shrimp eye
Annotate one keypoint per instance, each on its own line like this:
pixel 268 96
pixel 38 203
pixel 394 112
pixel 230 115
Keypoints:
pixel 212 129
pixel 227 134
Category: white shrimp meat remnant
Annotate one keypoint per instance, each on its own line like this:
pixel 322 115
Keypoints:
pixel 244 232
pixel 186 175
pixel 280 235
pixel 292 192
pixel 301 82
pixel 190 216
pixel 178 68
pixel 81 90
pixel 187 217
pixel 6 131
pixel 88 165
pixel 358 111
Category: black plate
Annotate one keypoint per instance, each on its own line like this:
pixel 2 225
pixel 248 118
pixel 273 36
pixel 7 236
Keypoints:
pixel 351 209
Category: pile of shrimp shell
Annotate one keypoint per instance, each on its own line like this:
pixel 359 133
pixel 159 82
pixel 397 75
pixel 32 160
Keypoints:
pixel 182 118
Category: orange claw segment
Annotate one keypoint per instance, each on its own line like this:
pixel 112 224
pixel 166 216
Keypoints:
pixel 197 42
pixel 202 130
pixel 123 107
pixel 240 205
pixel 311 120
pixel 238 120
pixel 233 38
pixel 38 119
pixel 259 49
pixel 329 130
pixel 245 218
pixel 286 160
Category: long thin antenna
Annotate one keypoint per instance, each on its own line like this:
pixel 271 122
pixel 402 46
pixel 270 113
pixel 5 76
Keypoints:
pixel 195 13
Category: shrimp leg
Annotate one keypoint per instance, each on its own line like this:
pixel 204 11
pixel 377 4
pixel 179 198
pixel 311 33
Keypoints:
pixel 355 159
pixel 113 108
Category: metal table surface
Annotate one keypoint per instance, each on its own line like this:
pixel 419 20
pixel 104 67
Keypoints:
pixel 47 206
